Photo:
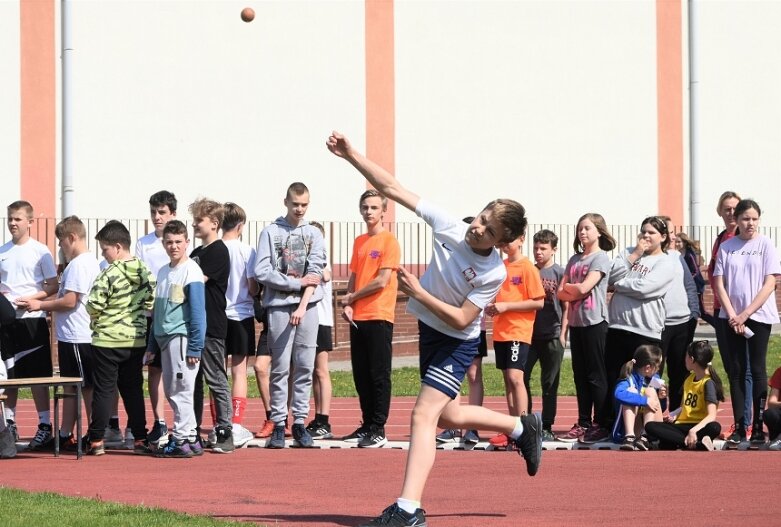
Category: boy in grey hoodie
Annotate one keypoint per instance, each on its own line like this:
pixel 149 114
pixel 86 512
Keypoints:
pixel 289 263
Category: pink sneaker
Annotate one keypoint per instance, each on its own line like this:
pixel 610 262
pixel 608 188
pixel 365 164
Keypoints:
pixel 595 434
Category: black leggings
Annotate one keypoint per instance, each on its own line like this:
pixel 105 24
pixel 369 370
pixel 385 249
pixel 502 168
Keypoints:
pixel 587 345
pixel 673 435
pixel 773 422
pixel 757 357
pixel 675 341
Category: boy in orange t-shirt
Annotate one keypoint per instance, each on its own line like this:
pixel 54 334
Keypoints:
pixel 514 311
pixel 369 305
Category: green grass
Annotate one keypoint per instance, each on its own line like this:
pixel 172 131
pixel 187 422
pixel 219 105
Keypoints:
pixel 21 509
pixel 406 381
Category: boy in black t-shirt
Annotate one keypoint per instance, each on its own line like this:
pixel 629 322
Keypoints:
pixel 213 258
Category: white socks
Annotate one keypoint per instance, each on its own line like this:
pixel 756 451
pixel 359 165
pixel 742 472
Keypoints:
pixel 408 506
pixel 518 430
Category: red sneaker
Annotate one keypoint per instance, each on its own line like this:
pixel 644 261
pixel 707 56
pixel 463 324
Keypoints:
pixel 575 433
pixel 265 432
pixel 499 441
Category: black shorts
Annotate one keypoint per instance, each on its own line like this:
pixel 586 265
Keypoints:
pixel 482 348
pixel 76 360
pixel 240 338
pixel 263 350
pixel 511 355
pixel 324 339
pixel 26 349
pixel 156 361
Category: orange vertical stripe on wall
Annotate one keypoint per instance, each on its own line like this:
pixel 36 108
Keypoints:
pixel 380 88
pixel 38 105
pixel 669 96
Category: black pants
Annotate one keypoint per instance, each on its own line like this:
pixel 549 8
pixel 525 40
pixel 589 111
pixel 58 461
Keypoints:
pixel 212 370
pixel 756 361
pixel 672 435
pixel 550 353
pixel 588 368
pixel 620 348
pixel 118 368
pixel 370 354
pixel 675 341
pixel 722 330
pixel 773 422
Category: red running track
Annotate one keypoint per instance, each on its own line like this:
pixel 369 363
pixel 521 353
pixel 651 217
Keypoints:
pixel 342 487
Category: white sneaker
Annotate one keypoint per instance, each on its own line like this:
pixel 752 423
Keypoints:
pixel 7 444
pixel 775 444
pixel 113 435
pixel 241 436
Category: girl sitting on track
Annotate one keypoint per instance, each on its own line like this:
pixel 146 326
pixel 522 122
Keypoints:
pixel 636 393
pixel 694 424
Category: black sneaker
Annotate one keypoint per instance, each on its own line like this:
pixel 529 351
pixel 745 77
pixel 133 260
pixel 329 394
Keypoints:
pixel 277 439
pixel 357 434
pixel 643 444
pixel 301 437
pixel 628 444
pixel 395 516
pixel 757 436
pixel 530 443
pixel 374 439
pixel 319 430
pixel 142 447
pixel 738 436
pixel 43 439
pixel 223 441
pixel 158 433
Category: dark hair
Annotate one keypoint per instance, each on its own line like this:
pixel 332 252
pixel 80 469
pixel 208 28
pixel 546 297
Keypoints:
pixel 645 355
pixel 163 198
pixel 701 353
pixel 175 227
pixel 688 243
pixel 606 240
pixel 658 223
pixel 546 236
pixel 21 205
pixel 512 217
pixel 232 216
pixel 372 193
pixel 319 226
pixel 70 225
pixel 296 189
pixel 114 232
pixel 744 205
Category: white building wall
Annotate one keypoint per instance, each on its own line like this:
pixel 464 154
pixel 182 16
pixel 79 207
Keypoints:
pixel 549 102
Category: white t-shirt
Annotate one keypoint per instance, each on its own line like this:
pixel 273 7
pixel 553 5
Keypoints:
pixel 73 325
pixel 150 250
pixel 325 307
pixel 239 304
pixel 23 269
pixel 455 272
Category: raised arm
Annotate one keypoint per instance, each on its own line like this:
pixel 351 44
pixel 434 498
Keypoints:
pixel 380 178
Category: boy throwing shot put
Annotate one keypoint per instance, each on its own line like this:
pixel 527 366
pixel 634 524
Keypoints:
pixel 464 275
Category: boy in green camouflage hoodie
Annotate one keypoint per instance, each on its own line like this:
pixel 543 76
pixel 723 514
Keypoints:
pixel 117 303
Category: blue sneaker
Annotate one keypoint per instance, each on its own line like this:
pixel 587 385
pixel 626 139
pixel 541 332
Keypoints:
pixel 175 448
pixel 196 446
pixel 449 435
pixel 301 437
pixel 471 437
pixel 277 439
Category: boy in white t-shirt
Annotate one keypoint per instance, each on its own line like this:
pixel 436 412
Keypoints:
pixel 27 272
pixel 150 250
pixel 463 276
pixel 71 320
pixel 240 339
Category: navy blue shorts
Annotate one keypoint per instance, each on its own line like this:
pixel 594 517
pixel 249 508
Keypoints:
pixel 444 359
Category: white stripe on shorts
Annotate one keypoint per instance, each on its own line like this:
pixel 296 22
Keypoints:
pixel 443 377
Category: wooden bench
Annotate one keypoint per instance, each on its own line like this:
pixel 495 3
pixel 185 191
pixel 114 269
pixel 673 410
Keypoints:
pixel 58 384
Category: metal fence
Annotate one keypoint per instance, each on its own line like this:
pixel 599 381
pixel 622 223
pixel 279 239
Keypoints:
pixel 414 238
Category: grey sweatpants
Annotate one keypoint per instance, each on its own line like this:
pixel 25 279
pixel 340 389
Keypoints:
pixel 292 358
pixel 179 385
